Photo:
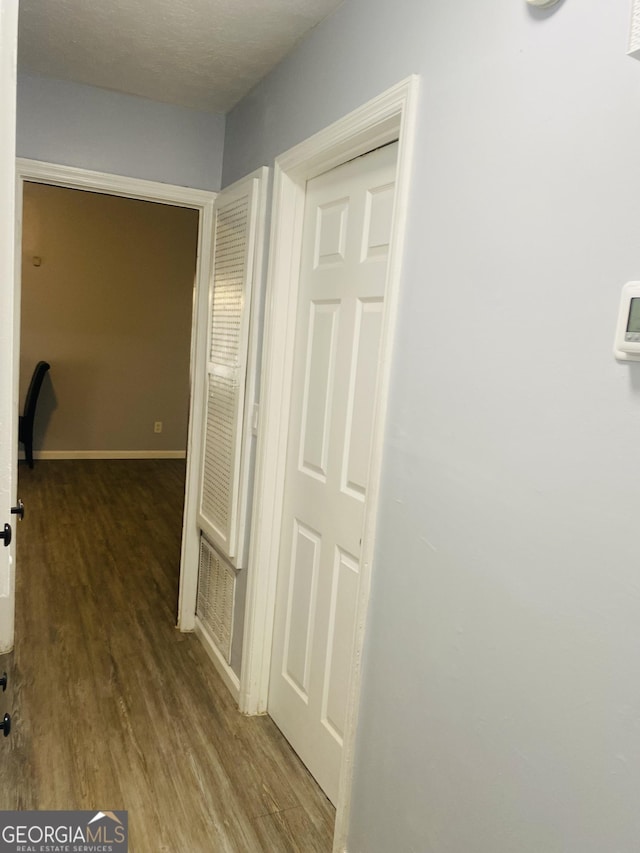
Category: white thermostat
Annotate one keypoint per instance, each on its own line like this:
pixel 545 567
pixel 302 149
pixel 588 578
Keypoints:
pixel 627 344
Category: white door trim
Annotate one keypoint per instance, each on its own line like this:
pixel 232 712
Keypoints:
pixel 8 312
pixel 202 201
pixel 386 118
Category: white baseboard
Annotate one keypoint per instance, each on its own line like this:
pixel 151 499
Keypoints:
pixel 223 669
pixel 107 454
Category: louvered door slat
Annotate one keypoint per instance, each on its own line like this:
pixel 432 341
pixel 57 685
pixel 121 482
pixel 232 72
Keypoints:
pixel 217 477
pixel 216 594
pixel 229 304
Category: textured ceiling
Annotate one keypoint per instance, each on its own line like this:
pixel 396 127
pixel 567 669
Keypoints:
pixel 204 54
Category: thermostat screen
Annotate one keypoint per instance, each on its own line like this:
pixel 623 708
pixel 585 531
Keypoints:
pixel 633 323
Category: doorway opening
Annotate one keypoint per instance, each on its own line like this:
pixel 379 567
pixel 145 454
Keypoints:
pixel 107 295
pixel 121 189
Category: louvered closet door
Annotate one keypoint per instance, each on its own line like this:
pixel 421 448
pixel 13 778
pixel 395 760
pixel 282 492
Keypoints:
pixel 229 309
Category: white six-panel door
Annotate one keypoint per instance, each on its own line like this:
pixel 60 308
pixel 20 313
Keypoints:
pixel 346 235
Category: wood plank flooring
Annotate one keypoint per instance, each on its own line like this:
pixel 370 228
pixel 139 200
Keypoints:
pixel 112 707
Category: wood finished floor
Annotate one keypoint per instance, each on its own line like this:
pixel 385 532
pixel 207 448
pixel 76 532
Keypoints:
pixel 112 707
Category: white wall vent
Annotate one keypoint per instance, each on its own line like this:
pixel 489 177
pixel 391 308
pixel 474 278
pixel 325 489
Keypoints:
pixel 634 33
pixel 216 594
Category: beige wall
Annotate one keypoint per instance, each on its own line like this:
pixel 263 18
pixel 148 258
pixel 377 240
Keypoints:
pixel 109 307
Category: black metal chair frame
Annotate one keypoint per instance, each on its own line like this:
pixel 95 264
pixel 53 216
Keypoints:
pixel 26 419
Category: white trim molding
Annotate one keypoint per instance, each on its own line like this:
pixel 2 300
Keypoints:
pixel 389 117
pixel 9 310
pixel 223 669
pixel 38 171
pixel 201 200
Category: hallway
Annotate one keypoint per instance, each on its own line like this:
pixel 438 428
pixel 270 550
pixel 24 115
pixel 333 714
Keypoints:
pixel 112 707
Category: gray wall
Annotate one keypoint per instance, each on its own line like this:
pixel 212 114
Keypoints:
pixel 502 678
pixel 77 125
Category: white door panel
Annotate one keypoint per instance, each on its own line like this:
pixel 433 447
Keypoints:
pixel 223 489
pixel 345 244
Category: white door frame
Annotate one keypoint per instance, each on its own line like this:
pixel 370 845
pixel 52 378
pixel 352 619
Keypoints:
pixel 8 312
pixel 202 201
pixel 386 118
